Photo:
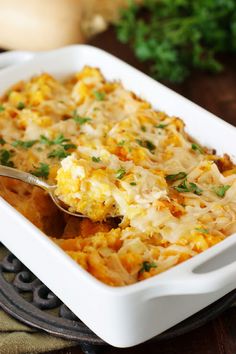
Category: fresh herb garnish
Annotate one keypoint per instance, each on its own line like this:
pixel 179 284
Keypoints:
pixel 176 177
pixel 68 146
pixel 146 144
pixel 196 147
pixel 161 126
pixel 133 183
pixel 45 140
pixel 60 153
pixel 81 120
pixel 64 143
pixel 60 139
pixel 143 128
pixel 190 187
pixel 41 171
pixel 121 143
pixel 177 36
pixel 24 144
pixel 146 266
pixel 221 190
pixel 201 230
pixel 5 156
pixel 120 173
pixel 21 105
pixel 96 159
pixel 2 109
pixel 2 141
pixel 99 95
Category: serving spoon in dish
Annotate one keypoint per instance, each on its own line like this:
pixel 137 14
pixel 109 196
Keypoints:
pixel 35 181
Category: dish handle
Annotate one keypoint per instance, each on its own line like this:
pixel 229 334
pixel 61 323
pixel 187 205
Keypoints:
pixel 192 282
pixel 14 57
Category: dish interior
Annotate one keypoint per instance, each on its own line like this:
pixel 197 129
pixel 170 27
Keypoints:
pixel 154 196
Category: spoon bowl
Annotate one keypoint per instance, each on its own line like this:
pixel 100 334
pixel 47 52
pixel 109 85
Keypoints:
pixel 35 181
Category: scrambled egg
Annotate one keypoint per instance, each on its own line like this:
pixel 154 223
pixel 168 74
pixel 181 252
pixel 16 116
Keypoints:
pixel 112 155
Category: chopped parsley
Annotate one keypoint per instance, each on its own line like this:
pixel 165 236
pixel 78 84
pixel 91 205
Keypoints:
pixel 99 95
pixel 69 146
pixel 5 156
pixel 146 144
pixel 120 173
pixel 41 171
pixel 186 187
pixel 60 139
pixel 21 105
pixel 146 266
pixel 45 140
pixel 203 231
pixel 96 159
pixel 2 109
pixel 143 128
pixel 196 147
pixel 121 143
pixel 24 144
pixel 60 153
pixel 161 126
pixel 221 190
pixel 81 120
pixel 64 145
pixel 133 183
pixel 176 176
pixel 2 141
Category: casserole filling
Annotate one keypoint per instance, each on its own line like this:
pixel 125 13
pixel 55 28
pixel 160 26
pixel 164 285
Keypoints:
pixel 153 196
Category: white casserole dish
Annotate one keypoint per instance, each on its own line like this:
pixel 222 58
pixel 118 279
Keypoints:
pixel 129 315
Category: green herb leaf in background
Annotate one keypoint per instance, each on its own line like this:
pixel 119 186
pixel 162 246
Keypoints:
pixel 176 36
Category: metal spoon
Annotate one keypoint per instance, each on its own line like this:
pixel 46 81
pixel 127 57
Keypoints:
pixel 35 181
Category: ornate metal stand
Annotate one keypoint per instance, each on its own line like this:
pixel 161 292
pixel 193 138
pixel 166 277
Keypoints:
pixel 24 297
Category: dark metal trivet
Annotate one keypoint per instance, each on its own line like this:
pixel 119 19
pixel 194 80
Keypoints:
pixel 34 310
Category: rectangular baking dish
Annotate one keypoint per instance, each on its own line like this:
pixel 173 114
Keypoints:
pixel 129 315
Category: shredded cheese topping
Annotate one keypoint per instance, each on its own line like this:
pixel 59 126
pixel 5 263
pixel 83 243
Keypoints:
pixel 112 155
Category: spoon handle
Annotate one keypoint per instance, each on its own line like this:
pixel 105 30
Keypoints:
pixel 23 176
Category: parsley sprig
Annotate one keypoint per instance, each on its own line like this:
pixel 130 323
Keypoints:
pixel 99 95
pixel 202 230
pixel 41 171
pixel 96 159
pixel 81 120
pixel 64 144
pixel 120 173
pixel 221 190
pixel 146 144
pixel 188 187
pixel 24 144
pixel 177 36
pixel 176 176
pixel 146 266
pixel 5 158
pixel 197 147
